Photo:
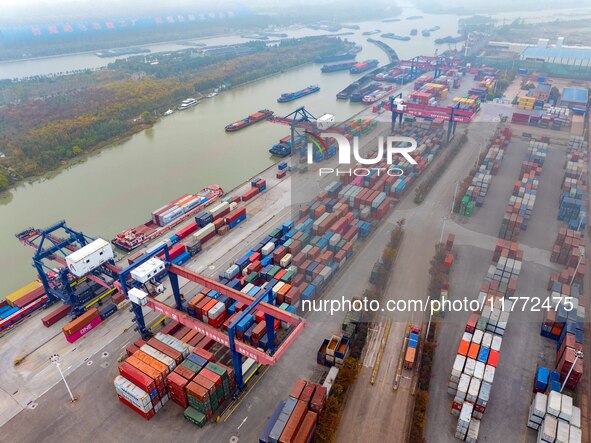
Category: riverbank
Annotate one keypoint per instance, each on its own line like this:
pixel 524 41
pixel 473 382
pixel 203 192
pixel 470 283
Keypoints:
pixel 52 134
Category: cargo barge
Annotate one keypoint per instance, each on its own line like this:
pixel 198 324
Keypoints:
pixel 290 96
pixel 346 93
pixel 283 148
pixel 338 67
pixel 251 119
pixel 376 95
pixel 334 58
pixel 121 52
pixel 391 35
pixel 450 39
pixel 364 66
pixel 357 96
pixel 376 31
pixel 167 217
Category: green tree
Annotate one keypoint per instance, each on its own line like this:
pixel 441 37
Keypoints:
pixel 3 183
pixel 76 150
pixel 147 117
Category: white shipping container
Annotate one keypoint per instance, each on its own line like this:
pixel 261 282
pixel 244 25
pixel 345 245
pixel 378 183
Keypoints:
pixel 218 209
pixel 473 389
pixel 489 374
pixel 467 336
pixel 538 407
pixel 469 367
pixel 458 365
pixel 487 339
pixel 477 336
pixel 277 287
pixel 562 432
pixel 134 394
pixel 204 231
pixel 174 343
pixel 484 394
pixel 566 408
pixel 334 240
pixel 89 257
pixel 268 248
pixel 496 343
pixel 247 288
pixel 285 261
pixel 575 435
pixel 473 430
pixel 161 357
pixel 479 371
pixel 576 418
pixel 547 432
pixel 554 403
pixel 217 310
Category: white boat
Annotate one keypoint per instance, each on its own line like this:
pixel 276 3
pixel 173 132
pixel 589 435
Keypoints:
pixel 188 103
pixel 170 111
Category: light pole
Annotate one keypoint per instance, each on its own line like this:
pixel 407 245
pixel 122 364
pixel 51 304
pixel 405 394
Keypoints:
pixel 581 255
pixel 578 354
pixel 56 360
pixel 583 218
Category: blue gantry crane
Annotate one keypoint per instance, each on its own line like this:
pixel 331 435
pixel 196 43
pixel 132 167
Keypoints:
pixel 52 245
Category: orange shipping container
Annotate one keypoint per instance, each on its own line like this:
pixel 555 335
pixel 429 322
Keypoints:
pixel 307 428
pixel 78 323
pixel 294 422
pixel 463 349
pixel 473 351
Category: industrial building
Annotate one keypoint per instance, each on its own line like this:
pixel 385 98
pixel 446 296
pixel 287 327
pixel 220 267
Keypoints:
pixel 574 98
pixel 559 54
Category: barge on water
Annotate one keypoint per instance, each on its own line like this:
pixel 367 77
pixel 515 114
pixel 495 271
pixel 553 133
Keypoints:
pixel 366 65
pixel 338 67
pixel 335 58
pixel 167 217
pixel 263 114
pixel 290 96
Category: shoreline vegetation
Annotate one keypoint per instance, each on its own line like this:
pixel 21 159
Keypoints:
pixel 55 122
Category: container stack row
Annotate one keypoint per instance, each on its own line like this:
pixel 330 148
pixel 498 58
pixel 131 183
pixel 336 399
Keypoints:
pixel 523 198
pixel 294 420
pixel 475 364
pixel 167 367
pixel 555 418
pixel 21 303
pixel 488 167
pixel 333 351
pixel 574 200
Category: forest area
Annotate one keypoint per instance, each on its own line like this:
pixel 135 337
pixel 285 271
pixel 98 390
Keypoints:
pixel 53 121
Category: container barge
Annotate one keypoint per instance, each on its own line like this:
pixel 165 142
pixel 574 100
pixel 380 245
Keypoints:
pixel 391 35
pixel 376 95
pixel 290 96
pixel 450 39
pixel 251 119
pixel 334 58
pixel 375 31
pixel 346 93
pixel 363 66
pixel 337 67
pixel 357 96
pixel 283 148
pixel 167 217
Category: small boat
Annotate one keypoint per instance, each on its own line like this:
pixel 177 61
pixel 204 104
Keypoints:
pixel 211 94
pixel 188 103
pixel 402 38
pixel 414 31
pixel 167 113
pixel 414 17
pixel 375 31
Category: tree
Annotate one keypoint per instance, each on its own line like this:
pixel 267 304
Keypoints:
pixel 147 117
pixel 76 150
pixel 3 183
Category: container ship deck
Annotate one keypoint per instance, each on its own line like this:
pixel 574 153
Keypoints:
pixel 167 217
pixel 251 119
pixel 290 96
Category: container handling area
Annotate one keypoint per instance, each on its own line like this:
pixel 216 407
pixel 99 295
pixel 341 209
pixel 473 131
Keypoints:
pixel 203 320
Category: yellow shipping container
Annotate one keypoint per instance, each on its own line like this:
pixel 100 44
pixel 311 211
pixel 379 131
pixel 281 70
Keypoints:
pixel 11 298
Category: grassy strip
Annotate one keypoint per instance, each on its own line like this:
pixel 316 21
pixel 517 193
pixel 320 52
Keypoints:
pixel 438 278
pixel 422 190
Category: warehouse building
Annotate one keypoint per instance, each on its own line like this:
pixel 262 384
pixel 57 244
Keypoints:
pixel 574 98
pixel 562 55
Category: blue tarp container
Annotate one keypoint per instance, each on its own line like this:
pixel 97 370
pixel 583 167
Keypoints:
pixel 541 381
pixel 264 438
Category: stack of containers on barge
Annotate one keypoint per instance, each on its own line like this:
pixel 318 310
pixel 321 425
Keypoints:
pixel 167 217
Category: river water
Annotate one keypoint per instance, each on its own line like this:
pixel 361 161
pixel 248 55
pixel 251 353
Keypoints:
pixel 182 153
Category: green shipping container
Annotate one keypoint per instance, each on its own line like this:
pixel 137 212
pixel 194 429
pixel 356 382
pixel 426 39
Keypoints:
pixel 194 416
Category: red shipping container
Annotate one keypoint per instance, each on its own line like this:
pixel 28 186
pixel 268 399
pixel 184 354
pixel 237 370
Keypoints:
pixel 249 194
pixel 147 415
pixel 281 174
pixel 165 349
pixel 187 230
pixel 131 349
pixel 56 315
pixel 35 294
pixel 236 214
pixel 202 352
pixel 171 327
pixel 181 332
pixel 297 388
pixel 137 377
